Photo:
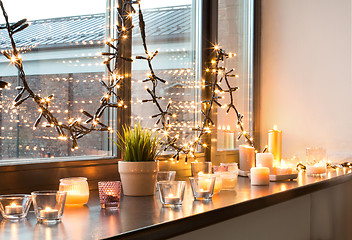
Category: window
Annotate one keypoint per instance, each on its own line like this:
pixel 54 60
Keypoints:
pixel 62 56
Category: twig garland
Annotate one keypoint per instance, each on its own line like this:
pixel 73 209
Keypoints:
pixel 77 129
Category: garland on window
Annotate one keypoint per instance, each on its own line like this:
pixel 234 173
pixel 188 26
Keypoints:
pixel 76 129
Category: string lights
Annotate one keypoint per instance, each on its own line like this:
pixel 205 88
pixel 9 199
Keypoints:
pixel 75 129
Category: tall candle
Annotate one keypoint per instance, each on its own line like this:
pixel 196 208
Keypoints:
pixel 260 176
pixel 247 157
pixel 274 143
pixel 265 160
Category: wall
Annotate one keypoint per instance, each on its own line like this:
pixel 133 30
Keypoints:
pixel 306 75
pixel 320 215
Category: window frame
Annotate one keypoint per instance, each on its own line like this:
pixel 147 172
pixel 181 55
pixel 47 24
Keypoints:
pixel 86 165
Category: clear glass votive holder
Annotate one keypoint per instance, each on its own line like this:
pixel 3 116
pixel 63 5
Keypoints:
pixel 15 207
pixel 199 168
pixel 316 169
pixel 49 206
pixel 231 167
pixel 203 186
pixel 166 176
pixel 77 190
pixel 109 194
pixel 171 193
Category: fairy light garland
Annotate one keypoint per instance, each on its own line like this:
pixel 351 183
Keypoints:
pixel 76 128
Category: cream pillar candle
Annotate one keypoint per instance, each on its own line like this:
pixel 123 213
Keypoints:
pixel 247 157
pixel 260 176
pixel 265 160
pixel 274 143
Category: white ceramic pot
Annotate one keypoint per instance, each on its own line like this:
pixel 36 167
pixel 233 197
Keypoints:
pixel 138 178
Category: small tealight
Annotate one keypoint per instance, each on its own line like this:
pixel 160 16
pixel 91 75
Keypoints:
pixel 15 206
pixel 171 193
pixel 203 186
pixel 49 206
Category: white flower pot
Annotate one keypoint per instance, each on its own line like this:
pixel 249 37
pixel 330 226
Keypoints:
pixel 138 178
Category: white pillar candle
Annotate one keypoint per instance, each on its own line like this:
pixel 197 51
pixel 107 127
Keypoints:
pixel 13 209
pixel 49 213
pixel 265 160
pixel 260 176
pixel 247 157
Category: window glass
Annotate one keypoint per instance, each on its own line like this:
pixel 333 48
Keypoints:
pixel 61 51
pixel 170 30
pixel 235 36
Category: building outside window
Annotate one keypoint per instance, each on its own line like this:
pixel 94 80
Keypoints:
pixel 62 56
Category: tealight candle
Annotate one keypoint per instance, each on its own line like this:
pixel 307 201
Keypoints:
pixel 260 176
pixel 247 157
pixel 13 209
pixel 318 168
pixel 265 160
pixel 171 199
pixel 274 143
pixel 49 213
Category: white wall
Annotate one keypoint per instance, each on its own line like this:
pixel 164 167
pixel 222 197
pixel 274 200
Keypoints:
pixel 306 75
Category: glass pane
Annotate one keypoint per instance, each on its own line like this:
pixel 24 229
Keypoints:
pixel 235 36
pixel 170 30
pixel 61 51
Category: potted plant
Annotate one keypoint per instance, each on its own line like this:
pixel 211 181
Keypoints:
pixel 138 171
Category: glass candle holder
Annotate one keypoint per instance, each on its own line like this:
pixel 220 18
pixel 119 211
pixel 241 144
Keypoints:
pixel 171 193
pixel 316 169
pixel 231 167
pixel 77 190
pixel 49 205
pixel 15 207
pixel 166 176
pixel 109 194
pixel 199 168
pixel 203 186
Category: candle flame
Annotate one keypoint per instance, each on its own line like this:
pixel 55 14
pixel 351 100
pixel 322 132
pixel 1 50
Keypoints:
pixel 275 127
pixel 200 173
pixel 47 208
pixel 170 195
pixel 13 204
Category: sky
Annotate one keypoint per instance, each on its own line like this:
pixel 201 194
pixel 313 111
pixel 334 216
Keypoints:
pixel 41 9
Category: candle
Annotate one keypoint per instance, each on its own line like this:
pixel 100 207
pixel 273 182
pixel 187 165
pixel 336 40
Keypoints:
pixel 229 181
pixel 265 160
pixel 260 176
pixel 111 197
pixel 171 199
pixel 13 209
pixel 203 193
pixel 318 168
pixel 49 213
pixel 75 197
pixel 282 169
pixel 274 143
pixel 204 181
pixel 247 157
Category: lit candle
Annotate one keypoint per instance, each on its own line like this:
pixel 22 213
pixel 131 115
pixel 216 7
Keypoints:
pixel 265 160
pixel 111 197
pixel 247 157
pixel 76 197
pixel 260 176
pixel 274 143
pixel 49 213
pixel 13 209
pixel 203 193
pixel 171 199
pixel 204 181
pixel 282 169
pixel 229 180
pixel 318 168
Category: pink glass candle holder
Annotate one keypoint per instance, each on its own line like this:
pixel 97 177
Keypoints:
pixel 15 207
pixel 109 194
